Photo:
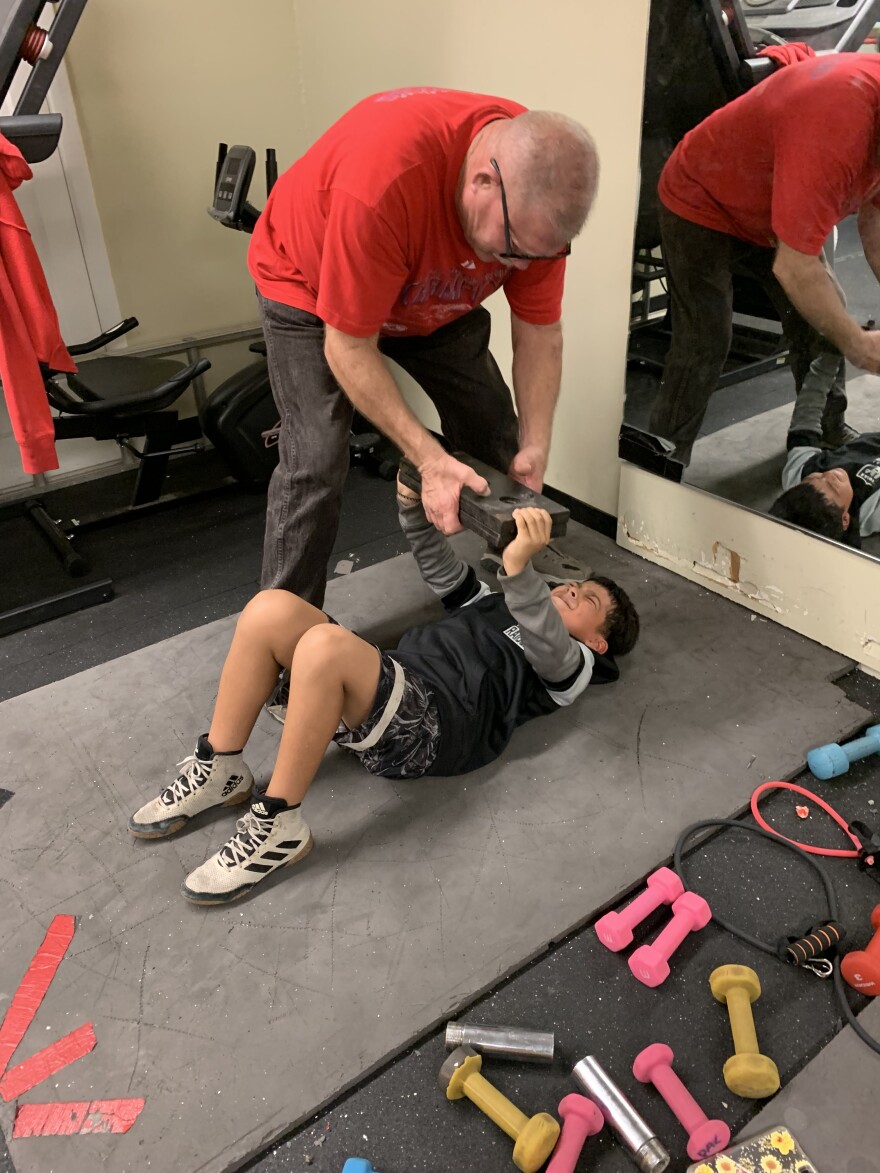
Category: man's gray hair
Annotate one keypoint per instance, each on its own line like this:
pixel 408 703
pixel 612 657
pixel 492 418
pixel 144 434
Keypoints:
pixel 557 168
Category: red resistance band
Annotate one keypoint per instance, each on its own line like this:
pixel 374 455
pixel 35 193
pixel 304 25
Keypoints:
pixel 838 853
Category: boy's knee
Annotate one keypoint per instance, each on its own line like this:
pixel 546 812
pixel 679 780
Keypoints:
pixel 267 610
pixel 322 645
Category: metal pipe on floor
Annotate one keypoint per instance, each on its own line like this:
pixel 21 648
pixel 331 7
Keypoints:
pixel 503 1042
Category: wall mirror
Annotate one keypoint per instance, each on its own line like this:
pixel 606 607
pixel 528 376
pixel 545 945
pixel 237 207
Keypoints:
pixel 701 55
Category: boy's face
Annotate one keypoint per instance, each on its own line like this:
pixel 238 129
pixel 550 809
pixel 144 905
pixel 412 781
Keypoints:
pixel 584 607
pixel 835 487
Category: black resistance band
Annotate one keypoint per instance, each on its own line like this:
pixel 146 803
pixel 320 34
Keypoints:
pixel 830 895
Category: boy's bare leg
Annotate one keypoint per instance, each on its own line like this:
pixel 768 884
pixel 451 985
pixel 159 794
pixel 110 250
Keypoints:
pixel 216 774
pixel 266 636
pixel 334 676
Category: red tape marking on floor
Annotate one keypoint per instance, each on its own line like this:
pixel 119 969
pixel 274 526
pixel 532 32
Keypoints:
pixel 34 985
pixel 47 1062
pixel 76 1119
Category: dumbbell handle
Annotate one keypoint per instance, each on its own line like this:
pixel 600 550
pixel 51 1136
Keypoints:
pixel 496 1106
pixel 575 1130
pixel 673 933
pixel 853 751
pixel 640 908
pixel 679 1100
pixel 742 1023
pixel 860 747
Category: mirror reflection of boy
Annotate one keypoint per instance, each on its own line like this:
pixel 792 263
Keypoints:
pixel 834 493
pixel 445 701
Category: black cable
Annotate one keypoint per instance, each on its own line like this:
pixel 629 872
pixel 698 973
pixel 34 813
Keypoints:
pixel 830 895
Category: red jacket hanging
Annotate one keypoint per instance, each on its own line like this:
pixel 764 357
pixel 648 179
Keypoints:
pixel 29 332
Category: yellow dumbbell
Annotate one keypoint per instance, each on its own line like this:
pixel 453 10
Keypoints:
pixel 748 1073
pixel 460 1076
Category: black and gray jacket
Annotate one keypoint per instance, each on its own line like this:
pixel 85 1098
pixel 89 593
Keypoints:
pixel 860 460
pixel 497 660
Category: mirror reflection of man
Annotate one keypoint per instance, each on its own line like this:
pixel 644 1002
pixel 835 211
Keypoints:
pixel 385 238
pixel 756 189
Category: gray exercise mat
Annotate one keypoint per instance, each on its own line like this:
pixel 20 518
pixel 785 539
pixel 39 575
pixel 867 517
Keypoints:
pixel 829 1105
pixel 237 1023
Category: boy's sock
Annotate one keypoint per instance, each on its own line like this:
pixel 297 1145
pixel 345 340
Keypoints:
pixel 271 835
pixel 206 779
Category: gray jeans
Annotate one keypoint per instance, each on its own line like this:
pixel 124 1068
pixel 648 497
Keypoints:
pixel 701 265
pixel 453 366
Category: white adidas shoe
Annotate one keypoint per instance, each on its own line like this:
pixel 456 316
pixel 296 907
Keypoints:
pixel 206 779
pixel 270 836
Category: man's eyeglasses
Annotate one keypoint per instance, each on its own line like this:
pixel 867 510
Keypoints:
pixel 509 254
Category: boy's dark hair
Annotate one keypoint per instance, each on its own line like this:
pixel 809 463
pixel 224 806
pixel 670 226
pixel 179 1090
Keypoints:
pixel 805 506
pixel 621 628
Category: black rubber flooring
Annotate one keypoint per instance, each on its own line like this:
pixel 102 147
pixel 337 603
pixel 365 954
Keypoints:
pixel 401 1121
pixel 172 571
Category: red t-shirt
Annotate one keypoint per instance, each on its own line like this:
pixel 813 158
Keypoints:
pixel 363 231
pixel 787 160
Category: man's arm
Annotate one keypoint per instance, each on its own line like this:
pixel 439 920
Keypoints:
pixel 868 223
pixel 438 564
pixel 813 292
pixel 537 375
pixel 360 370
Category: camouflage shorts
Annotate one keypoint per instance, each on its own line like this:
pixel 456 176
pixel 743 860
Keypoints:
pixel 400 737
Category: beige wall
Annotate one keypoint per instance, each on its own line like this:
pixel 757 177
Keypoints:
pixel 158 83
pixel 556 58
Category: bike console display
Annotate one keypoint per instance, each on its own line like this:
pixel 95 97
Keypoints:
pixel 235 169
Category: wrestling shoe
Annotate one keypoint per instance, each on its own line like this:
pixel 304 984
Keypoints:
pixel 276 705
pixel 206 779
pixel 270 836
pixel 838 435
pixel 551 563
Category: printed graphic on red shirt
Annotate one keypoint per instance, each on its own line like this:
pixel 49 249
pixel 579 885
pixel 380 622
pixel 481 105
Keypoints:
pixel 363 230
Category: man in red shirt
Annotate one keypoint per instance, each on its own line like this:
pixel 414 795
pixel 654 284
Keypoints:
pixel 384 239
pixel 756 189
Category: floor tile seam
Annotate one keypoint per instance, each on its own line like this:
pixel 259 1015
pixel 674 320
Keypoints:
pixel 118 656
pixel 747 1111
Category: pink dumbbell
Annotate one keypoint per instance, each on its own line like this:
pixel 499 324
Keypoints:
pixel 615 929
pixel 654 1065
pixel 580 1119
pixel 650 963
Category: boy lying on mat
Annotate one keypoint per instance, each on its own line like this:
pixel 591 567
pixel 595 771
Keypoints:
pixel 445 701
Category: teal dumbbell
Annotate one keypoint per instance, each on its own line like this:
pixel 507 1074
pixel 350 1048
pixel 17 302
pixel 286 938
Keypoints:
pixel 358 1165
pixel 830 761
